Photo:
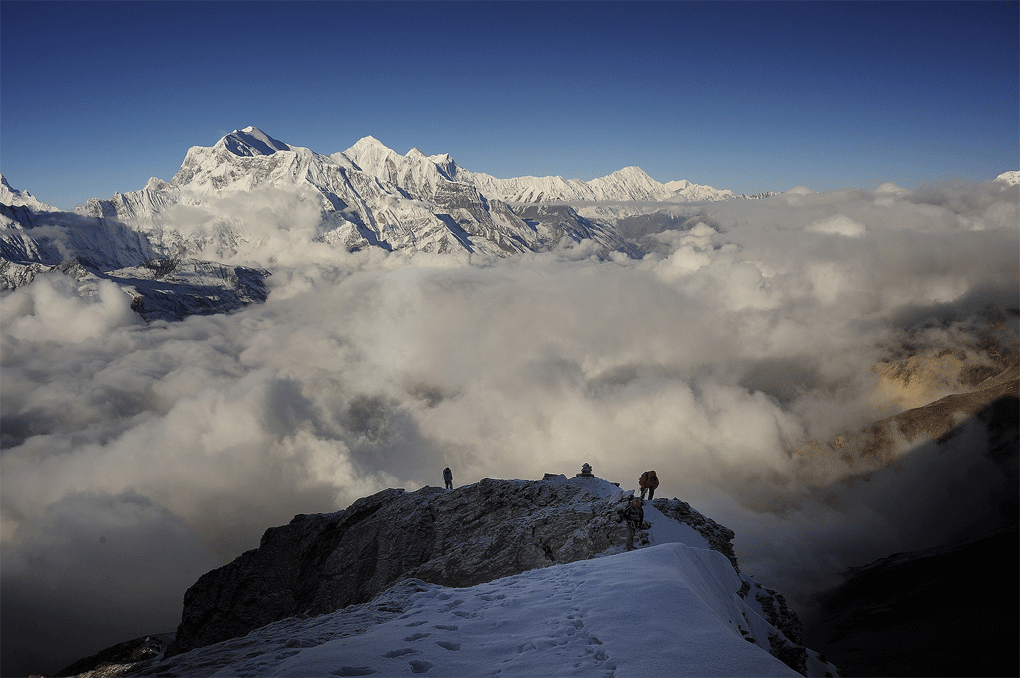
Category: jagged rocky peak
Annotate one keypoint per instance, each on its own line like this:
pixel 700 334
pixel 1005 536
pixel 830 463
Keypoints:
pixel 7 191
pixel 156 184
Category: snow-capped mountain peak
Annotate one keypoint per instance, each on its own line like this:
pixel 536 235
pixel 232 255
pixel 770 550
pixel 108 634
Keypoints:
pixel 446 165
pixel 1011 178
pixel 367 196
pixel 251 141
pixel 15 198
pixel 371 156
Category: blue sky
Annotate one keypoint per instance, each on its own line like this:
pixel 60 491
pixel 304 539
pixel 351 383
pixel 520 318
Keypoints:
pixel 97 97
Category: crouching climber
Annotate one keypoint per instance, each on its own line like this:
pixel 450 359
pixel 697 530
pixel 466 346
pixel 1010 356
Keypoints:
pixel 633 516
pixel 648 482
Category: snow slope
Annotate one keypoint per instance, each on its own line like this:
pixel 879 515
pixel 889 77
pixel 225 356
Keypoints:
pixel 675 607
pixel 667 610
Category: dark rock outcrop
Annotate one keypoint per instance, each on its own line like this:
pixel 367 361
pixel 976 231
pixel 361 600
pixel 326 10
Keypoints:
pixel 130 652
pixel 720 538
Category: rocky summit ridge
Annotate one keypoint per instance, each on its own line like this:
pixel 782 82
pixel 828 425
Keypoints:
pixel 321 563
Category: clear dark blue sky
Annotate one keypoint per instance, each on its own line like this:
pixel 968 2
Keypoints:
pixel 97 97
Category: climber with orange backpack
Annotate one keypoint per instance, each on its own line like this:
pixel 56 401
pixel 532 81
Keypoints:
pixel 648 482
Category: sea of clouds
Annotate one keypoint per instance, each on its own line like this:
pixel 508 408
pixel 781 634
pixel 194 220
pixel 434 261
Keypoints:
pixel 137 457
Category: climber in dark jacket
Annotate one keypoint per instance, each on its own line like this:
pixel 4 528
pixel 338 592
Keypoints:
pixel 633 515
pixel 448 478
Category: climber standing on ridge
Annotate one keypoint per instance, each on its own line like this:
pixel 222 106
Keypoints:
pixel 648 482
pixel 633 516
pixel 448 478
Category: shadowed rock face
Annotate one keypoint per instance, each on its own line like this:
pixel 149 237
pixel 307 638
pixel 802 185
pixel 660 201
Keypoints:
pixel 947 611
pixel 130 652
pixel 477 533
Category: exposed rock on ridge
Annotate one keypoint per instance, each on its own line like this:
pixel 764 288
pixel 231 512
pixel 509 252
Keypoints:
pixel 477 533
pixel 719 538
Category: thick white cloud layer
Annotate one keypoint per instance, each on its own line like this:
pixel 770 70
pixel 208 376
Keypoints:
pixel 137 457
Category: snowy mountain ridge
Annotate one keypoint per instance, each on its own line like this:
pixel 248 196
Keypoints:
pixel 627 184
pixel 367 196
pixel 14 198
pixel 251 198
pixel 530 577
pixel 411 207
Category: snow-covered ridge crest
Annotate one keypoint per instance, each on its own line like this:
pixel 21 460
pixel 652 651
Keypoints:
pixel 386 548
pixel 627 184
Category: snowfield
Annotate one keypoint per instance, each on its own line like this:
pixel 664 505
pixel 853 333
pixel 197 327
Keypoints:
pixel 665 610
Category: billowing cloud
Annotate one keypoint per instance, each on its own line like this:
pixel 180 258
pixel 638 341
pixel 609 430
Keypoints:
pixel 717 361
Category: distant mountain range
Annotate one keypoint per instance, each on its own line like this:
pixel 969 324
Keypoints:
pixel 231 201
pixel 237 201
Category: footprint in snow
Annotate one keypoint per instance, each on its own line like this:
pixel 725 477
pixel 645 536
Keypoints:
pixel 416 636
pixel 392 654
pixel 452 604
pixel 453 647
pixel 446 627
pixel 420 666
pixel 353 671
